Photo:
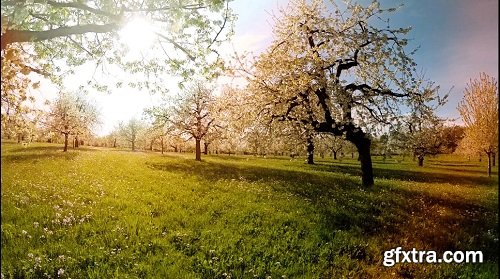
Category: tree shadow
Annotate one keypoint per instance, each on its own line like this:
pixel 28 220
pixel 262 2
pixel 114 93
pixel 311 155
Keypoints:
pixel 37 153
pixel 410 175
pixel 31 149
pixel 401 217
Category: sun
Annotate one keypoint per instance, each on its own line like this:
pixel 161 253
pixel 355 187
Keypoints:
pixel 137 34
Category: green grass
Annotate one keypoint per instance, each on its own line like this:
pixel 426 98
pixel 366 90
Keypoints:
pixel 103 213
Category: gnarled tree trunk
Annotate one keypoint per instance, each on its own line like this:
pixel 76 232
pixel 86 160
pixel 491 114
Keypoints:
pixel 205 147
pixel 363 144
pixel 65 142
pixel 489 163
pixel 198 150
pixel 420 160
pixel 77 142
pixel 310 151
pixel 162 146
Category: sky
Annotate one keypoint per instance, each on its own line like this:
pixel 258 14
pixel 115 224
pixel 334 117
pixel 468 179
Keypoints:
pixel 458 39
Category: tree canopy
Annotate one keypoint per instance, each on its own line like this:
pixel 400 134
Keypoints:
pixel 479 111
pixel 340 72
pixel 187 32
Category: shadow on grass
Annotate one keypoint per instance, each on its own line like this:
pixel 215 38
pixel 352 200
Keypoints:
pixel 36 153
pixel 401 217
pixel 410 175
pixel 50 149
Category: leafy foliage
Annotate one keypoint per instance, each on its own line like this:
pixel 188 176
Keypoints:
pixel 479 111
pixel 19 116
pixel 187 33
pixel 72 114
pixel 339 72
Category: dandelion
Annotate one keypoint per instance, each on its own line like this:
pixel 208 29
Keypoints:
pixel 24 232
pixel 35 224
pixel 60 272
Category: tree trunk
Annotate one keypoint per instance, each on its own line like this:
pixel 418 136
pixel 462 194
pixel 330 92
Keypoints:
pixel 310 151
pixel 352 155
pixel 65 142
pixel 489 163
pixel 420 161
pixel 205 148
pixel 73 143
pixel 198 150
pixel 114 143
pixel 151 145
pixel 133 145
pixel 493 161
pixel 334 155
pixel 162 145
pixel 364 156
pixel 76 141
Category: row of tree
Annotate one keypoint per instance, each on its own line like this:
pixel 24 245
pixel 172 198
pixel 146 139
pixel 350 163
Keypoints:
pixel 330 74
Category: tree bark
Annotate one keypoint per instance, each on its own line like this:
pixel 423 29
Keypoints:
pixel 334 155
pixel 310 151
pixel 65 142
pixel 364 156
pixel 133 145
pixel 198 150
pixel 162 145
pixel 114 143
pixel 420 161
pixel 19 36
pixel 489 163
pixel 493 158
pixel 205 147
pixel 76 142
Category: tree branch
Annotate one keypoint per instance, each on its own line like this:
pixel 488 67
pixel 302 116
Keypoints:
pixel 18 36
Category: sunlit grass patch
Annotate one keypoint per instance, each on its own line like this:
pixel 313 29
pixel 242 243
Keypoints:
pixel 106 213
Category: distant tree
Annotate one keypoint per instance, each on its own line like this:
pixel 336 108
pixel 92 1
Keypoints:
pixel 340 72
pixel 422 135
pixel 336 145
pixel 130 131
pixel 479 111
pixel 452 135
pixel 329 144
pixel 192 113
pixel 162 125
pixel 72 114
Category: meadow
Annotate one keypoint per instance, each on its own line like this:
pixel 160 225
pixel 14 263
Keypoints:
pixel 105 213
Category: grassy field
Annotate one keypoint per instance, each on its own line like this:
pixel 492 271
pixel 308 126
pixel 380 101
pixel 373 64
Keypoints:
pixel 103 213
